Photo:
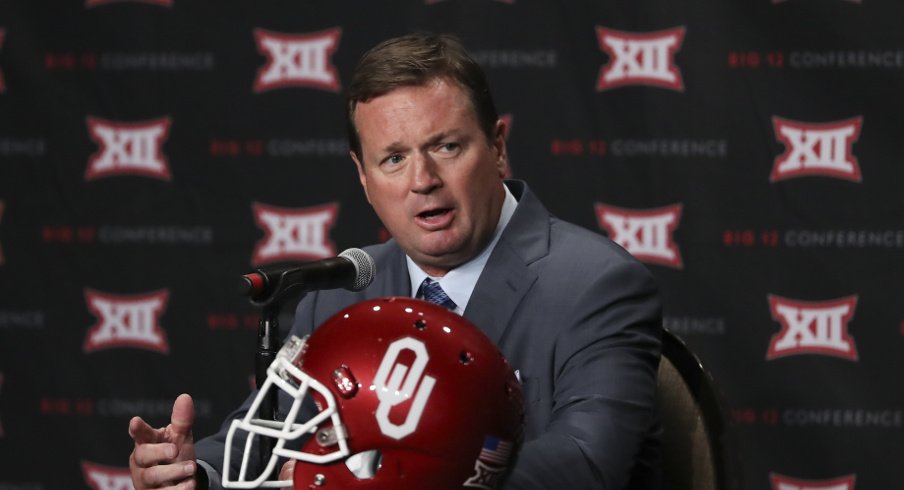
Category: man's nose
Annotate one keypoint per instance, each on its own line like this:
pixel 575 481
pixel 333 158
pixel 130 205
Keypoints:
pixel 425 176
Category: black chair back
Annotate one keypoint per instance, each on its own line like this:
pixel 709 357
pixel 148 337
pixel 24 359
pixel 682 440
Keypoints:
pixel 693 423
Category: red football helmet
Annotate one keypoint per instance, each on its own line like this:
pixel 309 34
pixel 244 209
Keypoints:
pixel 409 396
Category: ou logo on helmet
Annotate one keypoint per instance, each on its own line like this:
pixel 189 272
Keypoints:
pixel 396 383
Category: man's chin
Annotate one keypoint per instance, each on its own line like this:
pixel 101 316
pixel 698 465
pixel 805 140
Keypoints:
pixel 439 245
pixel 439 260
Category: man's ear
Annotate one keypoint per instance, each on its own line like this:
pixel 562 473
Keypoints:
pixel 502 163
pixel 362 177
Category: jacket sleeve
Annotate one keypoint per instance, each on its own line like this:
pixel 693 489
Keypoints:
pixel 603 398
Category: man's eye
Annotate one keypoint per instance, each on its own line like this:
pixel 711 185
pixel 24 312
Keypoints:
pixel 449 150
pixel 393 159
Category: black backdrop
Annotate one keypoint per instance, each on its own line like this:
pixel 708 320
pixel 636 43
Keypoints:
pixel 749 152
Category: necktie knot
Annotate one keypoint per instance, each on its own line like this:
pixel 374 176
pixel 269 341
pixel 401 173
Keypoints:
pixel 431 291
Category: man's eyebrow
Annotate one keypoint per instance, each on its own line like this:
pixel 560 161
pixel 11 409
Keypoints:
pixel 398 146
pixel 395 146
pixel 438 137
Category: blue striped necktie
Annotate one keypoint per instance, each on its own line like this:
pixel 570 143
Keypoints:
pixel 431 291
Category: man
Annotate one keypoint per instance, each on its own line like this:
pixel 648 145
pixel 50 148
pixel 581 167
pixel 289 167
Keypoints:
pixel 574 313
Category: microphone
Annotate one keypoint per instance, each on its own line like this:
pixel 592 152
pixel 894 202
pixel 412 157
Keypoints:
pixel 353 269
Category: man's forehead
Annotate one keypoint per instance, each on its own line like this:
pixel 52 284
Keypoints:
pixel 428 110
pixel 437 88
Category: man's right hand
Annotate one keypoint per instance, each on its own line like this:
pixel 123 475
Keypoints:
pixel 165 457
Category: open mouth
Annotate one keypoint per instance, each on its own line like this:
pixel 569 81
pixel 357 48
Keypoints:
pixel 435 219
pixel 433 213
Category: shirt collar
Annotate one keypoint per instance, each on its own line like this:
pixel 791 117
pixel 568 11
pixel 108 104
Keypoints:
pixel 459 282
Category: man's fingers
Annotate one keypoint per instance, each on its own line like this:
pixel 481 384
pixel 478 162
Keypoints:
pixel 187 484
pixel 164 474
pixel 287 470
pixel 183 415
pixel 147 455
pixel 164 458
pixel 142 433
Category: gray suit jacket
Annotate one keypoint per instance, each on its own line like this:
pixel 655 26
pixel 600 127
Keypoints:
pixel 579 318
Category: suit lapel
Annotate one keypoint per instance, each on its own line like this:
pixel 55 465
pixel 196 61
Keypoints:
pixel 507 276
pixel 392 275
pixel 502 284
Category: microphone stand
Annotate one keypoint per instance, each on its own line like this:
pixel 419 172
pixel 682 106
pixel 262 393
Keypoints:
pixel 268 344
